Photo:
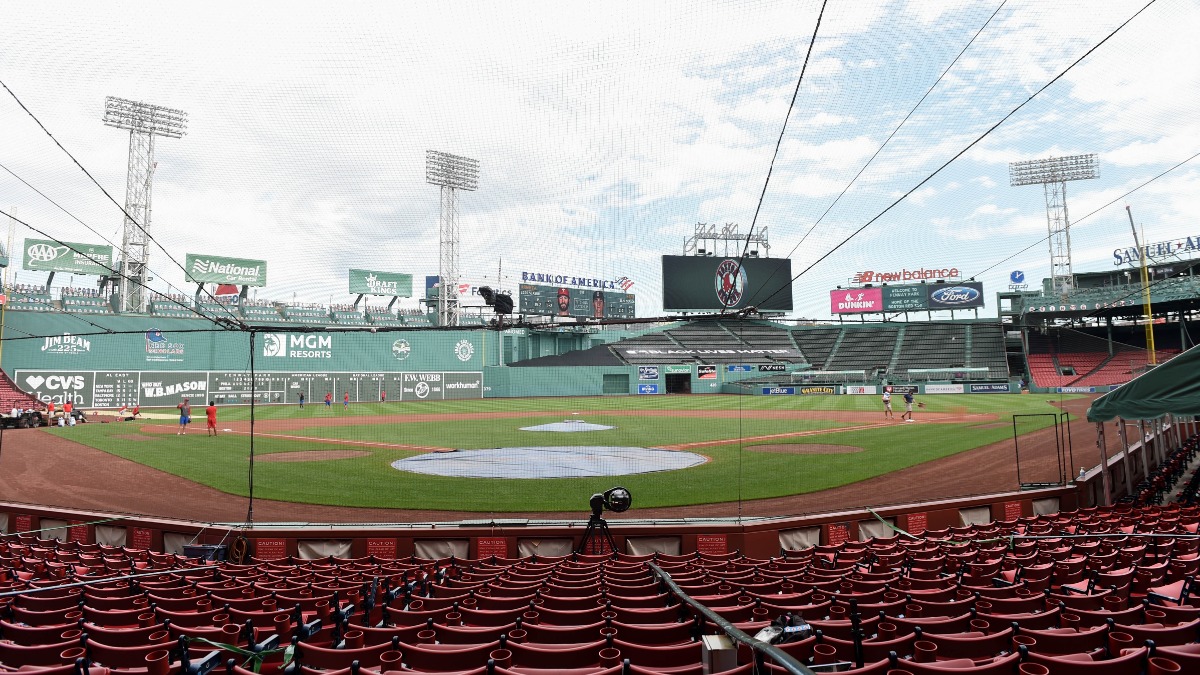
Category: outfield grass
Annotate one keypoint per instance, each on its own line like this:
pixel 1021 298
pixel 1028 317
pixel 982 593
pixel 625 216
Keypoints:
pixel 735 471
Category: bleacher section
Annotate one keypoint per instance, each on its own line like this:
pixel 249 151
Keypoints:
pixel 762 336
pixel 348 315
pixel 932 345
pixel 314 315
pixel 381 316
pixel 716 335
pixel 261 312
pixel 218 309
pixel 29 298
pixel 868 349
pixel 837 353
pixel 659 341
pixel 171 306
pixel 817 343
pixel 987 349
pixel 84 301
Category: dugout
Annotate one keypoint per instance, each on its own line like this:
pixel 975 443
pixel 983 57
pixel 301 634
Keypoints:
pixel 678 383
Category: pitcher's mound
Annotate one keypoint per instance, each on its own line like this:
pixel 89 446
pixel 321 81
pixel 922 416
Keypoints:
pixel 806 448
pixel 568 426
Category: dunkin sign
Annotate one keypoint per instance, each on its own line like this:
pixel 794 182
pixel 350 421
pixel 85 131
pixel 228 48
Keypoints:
pixel 856 301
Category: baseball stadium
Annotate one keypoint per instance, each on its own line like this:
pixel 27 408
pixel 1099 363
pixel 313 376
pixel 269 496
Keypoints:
pixel 467 441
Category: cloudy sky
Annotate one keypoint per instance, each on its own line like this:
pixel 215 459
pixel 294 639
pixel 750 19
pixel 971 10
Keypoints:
pixel 604 131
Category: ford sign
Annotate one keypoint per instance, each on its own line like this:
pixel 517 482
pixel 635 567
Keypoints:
pixel 959 296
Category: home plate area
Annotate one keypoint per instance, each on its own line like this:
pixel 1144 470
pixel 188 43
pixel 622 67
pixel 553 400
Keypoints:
pixel 576 461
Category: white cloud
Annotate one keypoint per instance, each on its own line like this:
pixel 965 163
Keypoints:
pixel 606 129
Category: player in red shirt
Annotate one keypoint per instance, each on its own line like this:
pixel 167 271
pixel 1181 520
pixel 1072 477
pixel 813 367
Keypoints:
pixel 383 396
pixel 328 398
pixel 345 400
pixel 211 413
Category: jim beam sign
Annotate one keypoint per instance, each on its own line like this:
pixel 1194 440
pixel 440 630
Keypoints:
pixel 222 270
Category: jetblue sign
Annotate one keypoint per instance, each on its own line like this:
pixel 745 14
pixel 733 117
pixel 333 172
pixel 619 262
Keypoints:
pixel 963 295
pixel 778 391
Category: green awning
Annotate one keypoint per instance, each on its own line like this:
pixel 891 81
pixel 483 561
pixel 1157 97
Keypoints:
pixel 1173 387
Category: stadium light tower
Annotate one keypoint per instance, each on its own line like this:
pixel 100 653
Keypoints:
pixel 452 173
pixel 144 121
pixel 1053 174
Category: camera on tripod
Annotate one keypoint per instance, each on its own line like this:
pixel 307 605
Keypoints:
pixel 596 538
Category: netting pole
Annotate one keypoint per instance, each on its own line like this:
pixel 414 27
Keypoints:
pixel 253 396
pixel 1105 478
pixel 1130 466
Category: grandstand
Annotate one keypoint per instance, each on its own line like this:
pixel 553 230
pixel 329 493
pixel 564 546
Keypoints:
pixel 382 316
pixel 171 305
pixel 307 314
pixel 347 315
pixel 28 297
pixel 1062 357
pixel 259 311
pixel 84 301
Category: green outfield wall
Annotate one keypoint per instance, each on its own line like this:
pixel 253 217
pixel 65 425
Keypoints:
pixel 111 361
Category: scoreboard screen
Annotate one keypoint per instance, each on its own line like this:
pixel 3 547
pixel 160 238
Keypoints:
pixel 574 302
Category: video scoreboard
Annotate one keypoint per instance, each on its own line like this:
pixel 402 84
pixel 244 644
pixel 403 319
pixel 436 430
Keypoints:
pixel 574 302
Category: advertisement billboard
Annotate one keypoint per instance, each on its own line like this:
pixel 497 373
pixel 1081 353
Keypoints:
pixel 368 282
pixel 575 302
pixel 695 283
pixel 856 301
pixel 963 295
pixel 905 298
pixel 222 270
pixel 990 388
pixel 46 255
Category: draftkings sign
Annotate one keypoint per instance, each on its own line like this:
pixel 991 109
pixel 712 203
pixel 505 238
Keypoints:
pixel 368 282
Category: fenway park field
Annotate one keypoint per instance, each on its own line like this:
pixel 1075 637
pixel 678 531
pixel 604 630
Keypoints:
pixel 758 455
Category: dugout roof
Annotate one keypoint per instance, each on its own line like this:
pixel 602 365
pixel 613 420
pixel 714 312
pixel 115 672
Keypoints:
pixel 1173 387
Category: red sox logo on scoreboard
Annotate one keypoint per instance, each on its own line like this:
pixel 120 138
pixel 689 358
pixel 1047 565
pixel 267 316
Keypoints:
pixel 730 282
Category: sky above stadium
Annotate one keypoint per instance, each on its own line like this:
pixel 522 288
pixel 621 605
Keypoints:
pixel 604 132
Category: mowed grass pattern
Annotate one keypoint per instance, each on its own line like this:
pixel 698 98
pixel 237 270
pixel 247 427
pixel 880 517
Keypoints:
pixel 735 471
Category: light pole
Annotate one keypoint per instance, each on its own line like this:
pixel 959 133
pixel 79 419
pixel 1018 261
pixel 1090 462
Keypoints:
pixel 144 121
pixel 1053 174
pixel 452 173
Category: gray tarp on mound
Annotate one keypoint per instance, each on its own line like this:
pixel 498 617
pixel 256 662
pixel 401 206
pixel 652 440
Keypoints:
pixel 568 426
pixel 576 461
pixel 1173 387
